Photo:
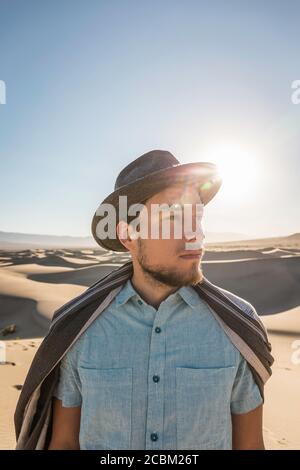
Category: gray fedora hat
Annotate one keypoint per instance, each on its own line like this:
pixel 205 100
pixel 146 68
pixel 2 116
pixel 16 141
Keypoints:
pixel 149 174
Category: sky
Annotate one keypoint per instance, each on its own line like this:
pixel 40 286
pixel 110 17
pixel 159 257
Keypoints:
pixel 91 85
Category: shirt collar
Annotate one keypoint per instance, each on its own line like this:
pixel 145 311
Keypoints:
pixel 189 295
pixel 126 293
pixel 186 293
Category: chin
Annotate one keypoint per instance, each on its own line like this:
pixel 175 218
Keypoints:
pixel 192 278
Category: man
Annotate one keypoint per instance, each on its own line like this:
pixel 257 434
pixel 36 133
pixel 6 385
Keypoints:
pixel 156 370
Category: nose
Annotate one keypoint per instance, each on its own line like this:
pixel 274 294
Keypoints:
pixel 195 239
pixel 198 233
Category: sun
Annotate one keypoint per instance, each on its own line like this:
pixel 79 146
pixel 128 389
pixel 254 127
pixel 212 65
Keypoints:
pixel 238 168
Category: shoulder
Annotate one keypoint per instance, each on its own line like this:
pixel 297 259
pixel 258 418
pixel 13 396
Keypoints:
pixel 244 305
pixel 240 302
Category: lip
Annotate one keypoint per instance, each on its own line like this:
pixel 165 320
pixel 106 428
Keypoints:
pixel 191 256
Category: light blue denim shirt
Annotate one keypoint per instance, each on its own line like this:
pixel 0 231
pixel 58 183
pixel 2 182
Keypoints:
pixel 156 379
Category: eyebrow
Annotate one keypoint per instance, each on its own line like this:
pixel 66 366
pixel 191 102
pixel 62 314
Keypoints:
pixel 182 205
pixel 166 210
pixel 169 207
pixel 174 203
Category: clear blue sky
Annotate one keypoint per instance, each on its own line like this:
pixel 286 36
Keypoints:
pixel 91 85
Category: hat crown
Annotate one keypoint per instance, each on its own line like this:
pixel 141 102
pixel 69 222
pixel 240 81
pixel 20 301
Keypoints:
pixel 144 165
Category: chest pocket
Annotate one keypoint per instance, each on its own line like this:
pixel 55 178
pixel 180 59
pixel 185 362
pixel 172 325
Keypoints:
pixel 106 408
pixel 203 418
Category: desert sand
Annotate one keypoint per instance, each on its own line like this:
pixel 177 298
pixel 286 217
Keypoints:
pixel 35 282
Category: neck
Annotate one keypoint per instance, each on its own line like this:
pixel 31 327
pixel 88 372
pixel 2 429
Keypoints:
pixel 151 290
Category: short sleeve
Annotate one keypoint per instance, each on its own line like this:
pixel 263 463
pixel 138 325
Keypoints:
pixel 245 392
pixel 68 387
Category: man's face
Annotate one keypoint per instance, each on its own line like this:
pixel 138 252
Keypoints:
pixel 166 259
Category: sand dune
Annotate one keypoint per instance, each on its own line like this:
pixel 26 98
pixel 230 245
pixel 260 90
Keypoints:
pixel 34 283
pixel 284 324
pixel 282 406
pixel 19 354
pixel 272 285
pixel 47 296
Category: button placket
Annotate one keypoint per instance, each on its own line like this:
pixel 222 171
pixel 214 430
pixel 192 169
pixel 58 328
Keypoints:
pixel 155 411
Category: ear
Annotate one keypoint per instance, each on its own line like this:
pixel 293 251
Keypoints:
pixel 123 234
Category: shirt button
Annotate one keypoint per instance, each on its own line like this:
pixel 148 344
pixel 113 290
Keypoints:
pixel 155 378
pixel 157 329
pixel 140 302
pixel 154 436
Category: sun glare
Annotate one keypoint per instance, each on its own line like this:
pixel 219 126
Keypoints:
pixel 238 168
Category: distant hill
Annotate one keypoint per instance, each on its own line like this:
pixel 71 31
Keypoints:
pixel 220 237
pixel 20 241
pixel 288 241
pixel 9 240
pixel 295 236
pixel 12 240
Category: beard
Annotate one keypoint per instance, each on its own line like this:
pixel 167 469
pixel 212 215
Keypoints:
pixel 167 275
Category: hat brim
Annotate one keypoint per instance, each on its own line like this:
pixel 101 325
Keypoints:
pixel 203 173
